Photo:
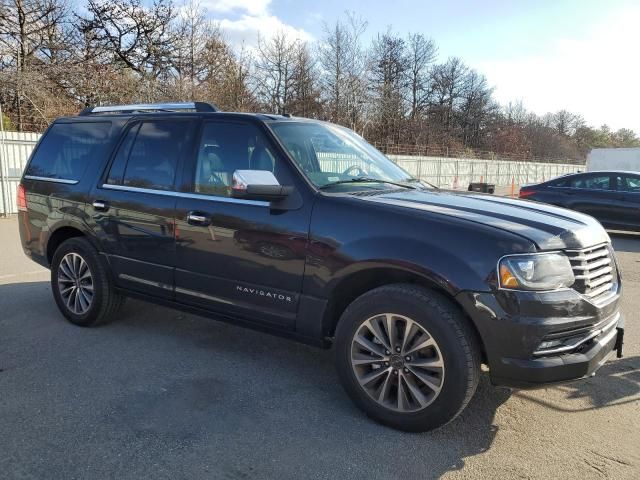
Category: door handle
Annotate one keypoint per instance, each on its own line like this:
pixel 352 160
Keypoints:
pixel 100 205
pixel 197 218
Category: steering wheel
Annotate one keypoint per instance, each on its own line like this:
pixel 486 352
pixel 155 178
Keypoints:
pixel 353 169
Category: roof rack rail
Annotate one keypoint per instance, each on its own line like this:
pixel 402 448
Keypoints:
pixel 151 107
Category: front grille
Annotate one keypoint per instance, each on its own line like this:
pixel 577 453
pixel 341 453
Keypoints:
pixel 595 271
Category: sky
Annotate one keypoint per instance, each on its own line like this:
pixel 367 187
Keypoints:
pixel 582 56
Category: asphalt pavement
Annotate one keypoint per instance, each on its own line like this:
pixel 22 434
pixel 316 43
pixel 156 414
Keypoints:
pixel 162 394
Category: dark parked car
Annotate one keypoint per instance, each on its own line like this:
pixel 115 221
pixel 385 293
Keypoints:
pixel 611 197
pixel 301 228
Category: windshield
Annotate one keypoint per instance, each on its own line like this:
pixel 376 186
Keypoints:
pixel 335 156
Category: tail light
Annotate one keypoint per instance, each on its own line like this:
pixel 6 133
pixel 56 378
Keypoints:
pixel 526 193
pixel 22 198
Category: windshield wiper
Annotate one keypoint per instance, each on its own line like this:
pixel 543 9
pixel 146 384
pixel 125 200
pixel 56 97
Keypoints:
pixel 365 180
pixel 423 182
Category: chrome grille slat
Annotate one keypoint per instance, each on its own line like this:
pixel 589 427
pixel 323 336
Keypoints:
pixel 590 256
pixel 598 291
pixel 599 263
pixel 594 271
pixel 594 274
pixel 600 281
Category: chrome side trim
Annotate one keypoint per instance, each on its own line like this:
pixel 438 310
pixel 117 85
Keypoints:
pixel 131 278
pixel 202 295
pixel 196 196
pixel 53 180
pixel 576 344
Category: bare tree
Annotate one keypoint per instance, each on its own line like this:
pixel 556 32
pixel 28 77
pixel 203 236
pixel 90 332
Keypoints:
pixel 25 28
pixel 139 37
pixel 275 72
pixel 306 96
pixel 389 65
pixel 421 53
pixel 342 63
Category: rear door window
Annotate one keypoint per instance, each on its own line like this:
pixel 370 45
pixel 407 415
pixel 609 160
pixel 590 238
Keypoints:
pixel 149 154
pixel 628 183
pixel 67 149
pixel 596 182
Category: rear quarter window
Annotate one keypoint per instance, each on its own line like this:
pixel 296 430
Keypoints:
pixel 67 149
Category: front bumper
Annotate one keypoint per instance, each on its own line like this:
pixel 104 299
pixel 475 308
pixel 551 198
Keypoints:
pixel 513 326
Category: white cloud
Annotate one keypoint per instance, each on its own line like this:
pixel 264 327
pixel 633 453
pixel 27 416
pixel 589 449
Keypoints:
pixel 252 7
pixel 597 75
pixel 247 29
pixel 244 21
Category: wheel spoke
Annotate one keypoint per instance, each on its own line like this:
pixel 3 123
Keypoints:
pixel 369 345
pixel 425 379
pixel 421 345
pixel 66 290
pixel 65 270
pixel 374 327
pixel 85 300
pixel 403 398
pixel 391 331
pixel 76 301
pixel 384 390
pixel 366 361
pixel 406 335
pixel 428 363
pixel 372 375
pixel 416 393
pixel 83 271
pixel 69 299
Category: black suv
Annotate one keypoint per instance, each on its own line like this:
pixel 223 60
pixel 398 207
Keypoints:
pixel 301 228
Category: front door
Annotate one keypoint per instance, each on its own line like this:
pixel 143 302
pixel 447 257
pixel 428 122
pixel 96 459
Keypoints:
pixel 238 257
pixel 134 204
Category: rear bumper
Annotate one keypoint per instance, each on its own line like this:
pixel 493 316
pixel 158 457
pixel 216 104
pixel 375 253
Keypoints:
pixel 513 329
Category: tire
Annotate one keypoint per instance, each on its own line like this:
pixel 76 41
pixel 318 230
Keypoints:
pixel 104 301
pixel 433 322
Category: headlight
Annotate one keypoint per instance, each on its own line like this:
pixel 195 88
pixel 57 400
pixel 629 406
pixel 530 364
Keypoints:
pixel 536 271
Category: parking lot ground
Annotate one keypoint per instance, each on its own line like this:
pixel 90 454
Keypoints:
pixel 162 394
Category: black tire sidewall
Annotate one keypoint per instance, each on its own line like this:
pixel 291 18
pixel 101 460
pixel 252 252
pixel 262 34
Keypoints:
pixel 83 248
pixel 453 396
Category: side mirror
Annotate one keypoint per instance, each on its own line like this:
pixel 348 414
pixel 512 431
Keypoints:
pixel 257 185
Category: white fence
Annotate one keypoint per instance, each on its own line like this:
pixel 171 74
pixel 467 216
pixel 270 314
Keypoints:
pixel 444 172
pixel 457 173
pixel 15 148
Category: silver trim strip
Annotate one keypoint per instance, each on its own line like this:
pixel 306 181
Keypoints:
pixel 202 295
pixel 144 106
pixel 131 278
pixel 53 180
pixel 196 196
pixel 573 346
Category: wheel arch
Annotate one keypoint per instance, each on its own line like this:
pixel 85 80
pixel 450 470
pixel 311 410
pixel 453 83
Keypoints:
pixel 58 236
pixel 352 286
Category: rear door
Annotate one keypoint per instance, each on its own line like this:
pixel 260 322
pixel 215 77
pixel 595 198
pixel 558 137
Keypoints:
pixel 592 194
pixel 627 207
pixel 134 204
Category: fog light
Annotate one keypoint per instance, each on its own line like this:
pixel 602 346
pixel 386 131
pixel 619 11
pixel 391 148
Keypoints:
pixel 550 344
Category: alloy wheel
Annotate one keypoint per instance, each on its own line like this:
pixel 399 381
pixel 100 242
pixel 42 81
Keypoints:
pixel 397 362
pixel 75 283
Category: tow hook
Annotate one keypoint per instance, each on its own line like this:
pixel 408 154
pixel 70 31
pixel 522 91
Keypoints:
pixel 619 342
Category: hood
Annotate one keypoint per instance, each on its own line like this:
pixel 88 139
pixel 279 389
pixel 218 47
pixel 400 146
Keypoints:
pixel 547 226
